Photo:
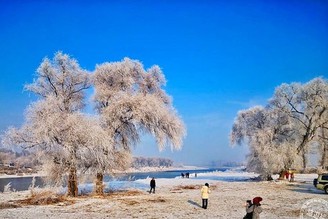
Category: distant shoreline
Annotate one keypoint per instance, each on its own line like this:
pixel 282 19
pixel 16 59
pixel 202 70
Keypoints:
pixel 5 176
pixel 130 170
pixel 161 169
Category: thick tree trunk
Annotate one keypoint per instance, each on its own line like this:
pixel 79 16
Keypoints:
pixel 282 175
pixel 301 148
pixel 99 184
pixel 304 159
pixel 72 183
pixel 269 178
pixel 324 155
pixel 266 177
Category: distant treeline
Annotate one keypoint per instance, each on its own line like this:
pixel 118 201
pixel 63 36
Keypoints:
pixel 18 159
pixel 220 163
pixel 151 162
pixel 27 159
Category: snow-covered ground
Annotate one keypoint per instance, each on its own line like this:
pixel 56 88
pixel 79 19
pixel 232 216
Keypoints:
pixel 229 175
pixel 180 198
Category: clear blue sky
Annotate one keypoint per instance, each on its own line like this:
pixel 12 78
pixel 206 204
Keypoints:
pixel 218 56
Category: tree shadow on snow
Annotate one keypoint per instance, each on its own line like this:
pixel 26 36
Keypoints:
pixel 194 203
pixel 305 188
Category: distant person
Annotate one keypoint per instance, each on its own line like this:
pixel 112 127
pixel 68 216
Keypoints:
pixel 292 177
pixel 287 175
pixel 187 175
pixel 256 208
pixel 249 215
pixel 152 185
pixel 182 175
pixel 195 175
pixel 205 193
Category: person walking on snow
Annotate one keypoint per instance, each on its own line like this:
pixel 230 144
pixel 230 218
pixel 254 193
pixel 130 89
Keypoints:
pixel 204 192
pixel 152 185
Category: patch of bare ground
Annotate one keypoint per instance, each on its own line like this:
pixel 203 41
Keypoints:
pixel 130 202
pixel 38 198
pixel 190 187
pixel 159 200
pixel 186 187
pixel 290 213
pixel 124 193
pixel 45 198
pixel 5 205
pixel 112 194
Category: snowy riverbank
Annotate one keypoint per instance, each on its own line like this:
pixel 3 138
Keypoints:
pixel 5 176
pixel 180 198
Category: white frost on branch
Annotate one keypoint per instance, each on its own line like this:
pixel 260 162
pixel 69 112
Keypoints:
pixel 130 101
pixel 281 134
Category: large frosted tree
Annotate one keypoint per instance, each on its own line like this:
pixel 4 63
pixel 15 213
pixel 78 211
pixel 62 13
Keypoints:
pixel 265 132
pixel 54 122
pixel 307 107
pixel 281 134
pixel 131 102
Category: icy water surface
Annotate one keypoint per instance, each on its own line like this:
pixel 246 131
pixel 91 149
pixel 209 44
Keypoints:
pixel 123 180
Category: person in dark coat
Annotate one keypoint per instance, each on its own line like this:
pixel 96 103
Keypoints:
pixel 256 208
pixel 249 215
pixel 152 185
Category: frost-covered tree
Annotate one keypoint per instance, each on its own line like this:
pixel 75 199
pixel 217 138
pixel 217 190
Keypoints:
pixel 323 146
pixel 265 133
pixel 318 89
pixel 295 119
pixel 54 123
pixel 130 101
pixel 306 106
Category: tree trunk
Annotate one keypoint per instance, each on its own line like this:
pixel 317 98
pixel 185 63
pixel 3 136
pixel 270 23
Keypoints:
pixel 99 184
pixel 72 183
pixel 269 178
pixel 266 177
pixel 301 148
pixel 324 155
pixel 282 175
pixel 304 159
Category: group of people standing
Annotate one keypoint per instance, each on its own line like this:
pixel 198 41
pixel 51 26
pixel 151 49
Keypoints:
pixel 186 175
pixel 289 174
pixel 253 209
